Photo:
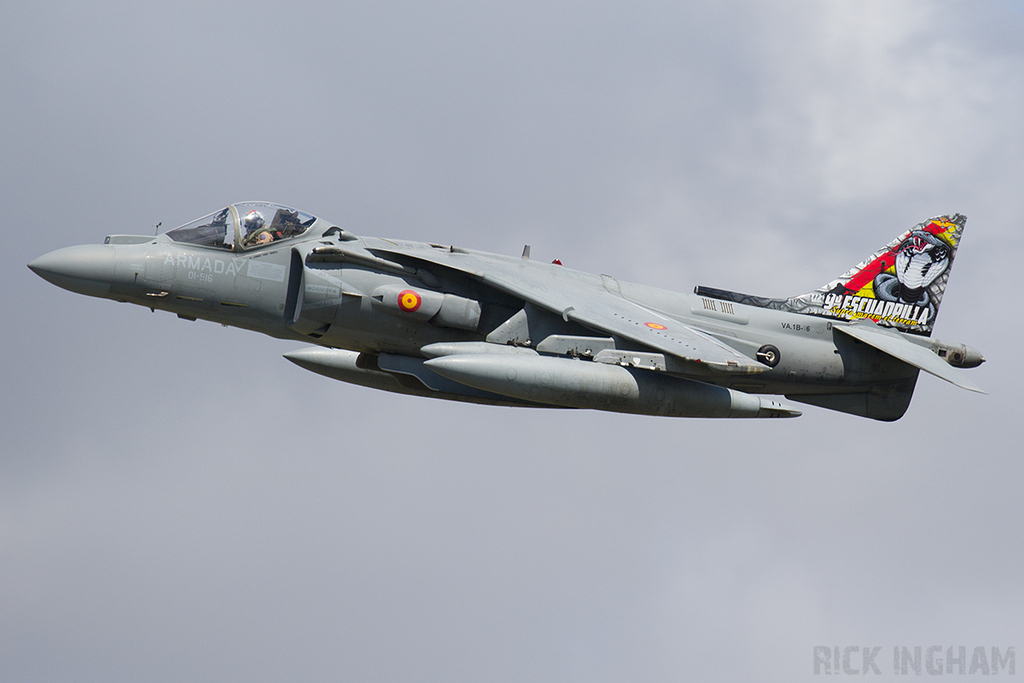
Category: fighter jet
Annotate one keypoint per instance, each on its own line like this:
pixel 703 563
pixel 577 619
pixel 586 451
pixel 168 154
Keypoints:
pixel 447 322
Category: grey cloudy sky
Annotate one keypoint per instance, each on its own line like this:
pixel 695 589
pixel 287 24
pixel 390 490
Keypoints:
pixel 157 524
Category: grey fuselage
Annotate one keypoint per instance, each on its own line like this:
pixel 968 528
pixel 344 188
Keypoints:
pixel 338 291
pixel 251 291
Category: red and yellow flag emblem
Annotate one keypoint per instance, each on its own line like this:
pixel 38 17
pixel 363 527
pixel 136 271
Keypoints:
pixel 409 300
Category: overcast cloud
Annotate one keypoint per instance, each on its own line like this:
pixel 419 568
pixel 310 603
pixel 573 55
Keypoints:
pixel 154 525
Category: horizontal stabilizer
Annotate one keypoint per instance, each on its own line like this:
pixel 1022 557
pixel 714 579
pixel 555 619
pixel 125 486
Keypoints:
pixel 892 343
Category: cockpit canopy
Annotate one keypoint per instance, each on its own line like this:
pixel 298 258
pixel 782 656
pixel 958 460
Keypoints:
pixel 248 225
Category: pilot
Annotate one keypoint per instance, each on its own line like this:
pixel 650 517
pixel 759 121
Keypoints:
pixel 256 230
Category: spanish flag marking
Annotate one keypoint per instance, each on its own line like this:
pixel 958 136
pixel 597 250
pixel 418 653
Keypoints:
pixel 409 301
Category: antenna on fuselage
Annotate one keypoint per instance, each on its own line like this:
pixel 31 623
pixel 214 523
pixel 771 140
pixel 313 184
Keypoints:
pixel 156 228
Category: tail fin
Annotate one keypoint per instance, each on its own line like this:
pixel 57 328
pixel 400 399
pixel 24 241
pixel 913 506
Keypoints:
pixel 900 285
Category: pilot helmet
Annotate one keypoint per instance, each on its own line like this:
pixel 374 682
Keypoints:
pixel 253 222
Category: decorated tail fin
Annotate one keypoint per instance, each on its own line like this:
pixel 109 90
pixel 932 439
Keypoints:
pixel 898 286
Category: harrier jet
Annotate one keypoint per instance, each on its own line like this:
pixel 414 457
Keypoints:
pixel 448 322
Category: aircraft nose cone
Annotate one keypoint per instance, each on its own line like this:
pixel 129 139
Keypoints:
pixel 87 269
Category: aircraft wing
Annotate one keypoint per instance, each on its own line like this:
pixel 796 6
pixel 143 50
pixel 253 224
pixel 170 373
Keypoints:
pixel 582 298
pixel 894 344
